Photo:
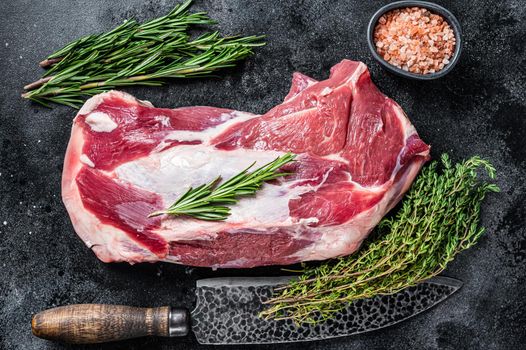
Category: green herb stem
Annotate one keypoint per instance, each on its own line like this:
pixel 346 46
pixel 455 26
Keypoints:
pixel 137 54
pixel 208 201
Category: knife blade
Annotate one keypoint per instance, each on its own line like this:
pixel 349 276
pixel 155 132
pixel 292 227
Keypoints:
pixel 226 312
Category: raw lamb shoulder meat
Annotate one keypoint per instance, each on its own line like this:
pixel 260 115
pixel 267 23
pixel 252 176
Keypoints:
pixel 357 153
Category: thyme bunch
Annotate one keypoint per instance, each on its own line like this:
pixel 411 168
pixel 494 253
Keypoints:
pixel 137 54
pixel 438 219
pixel 208 201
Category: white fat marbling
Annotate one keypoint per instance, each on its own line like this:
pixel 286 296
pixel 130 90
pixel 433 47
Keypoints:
pixel 100 122
pixel 337 157
pixel 164 120
pixel 172 172
pixel 92 104
pixel 145 103
pixel 326 91
pixel 85 159
pixel 206 135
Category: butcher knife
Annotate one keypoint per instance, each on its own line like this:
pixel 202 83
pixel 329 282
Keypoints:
pixel 226 312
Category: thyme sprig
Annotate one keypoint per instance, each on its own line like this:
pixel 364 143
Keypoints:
pixel 208 201
pixel 438 219
pixel 137 54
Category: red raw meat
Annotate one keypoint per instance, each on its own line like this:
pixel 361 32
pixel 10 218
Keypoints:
pixel 357 155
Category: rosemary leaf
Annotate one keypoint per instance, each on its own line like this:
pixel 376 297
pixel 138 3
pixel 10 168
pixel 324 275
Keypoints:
pixel 439 218
pixel 137 54
pixel 207 202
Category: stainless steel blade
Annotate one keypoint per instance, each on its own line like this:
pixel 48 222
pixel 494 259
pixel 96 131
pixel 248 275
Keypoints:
pixel 227 311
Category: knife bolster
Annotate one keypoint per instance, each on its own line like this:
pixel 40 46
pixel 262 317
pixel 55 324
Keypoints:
pixel 179 324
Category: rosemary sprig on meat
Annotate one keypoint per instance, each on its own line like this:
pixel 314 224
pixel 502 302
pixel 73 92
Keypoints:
pixel 438 219
pixel 137 54
pixel 209 201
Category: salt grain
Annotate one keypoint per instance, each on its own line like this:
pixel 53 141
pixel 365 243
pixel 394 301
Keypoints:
pixel 414 39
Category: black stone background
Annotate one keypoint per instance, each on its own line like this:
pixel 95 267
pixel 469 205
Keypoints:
pixel 477 109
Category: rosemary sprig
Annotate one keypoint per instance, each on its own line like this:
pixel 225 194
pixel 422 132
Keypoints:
pixel 439 218
pixel 137 54
pixel 208 201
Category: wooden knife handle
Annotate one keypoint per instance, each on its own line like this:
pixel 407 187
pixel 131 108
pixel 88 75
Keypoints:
pixel 96 323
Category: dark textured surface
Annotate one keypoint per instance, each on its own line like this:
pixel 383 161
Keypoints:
pixel 479 108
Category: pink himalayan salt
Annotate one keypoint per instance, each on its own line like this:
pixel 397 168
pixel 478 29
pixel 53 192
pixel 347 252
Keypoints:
pixel 414 40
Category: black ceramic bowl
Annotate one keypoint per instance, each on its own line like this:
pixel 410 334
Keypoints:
pixel 439 10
